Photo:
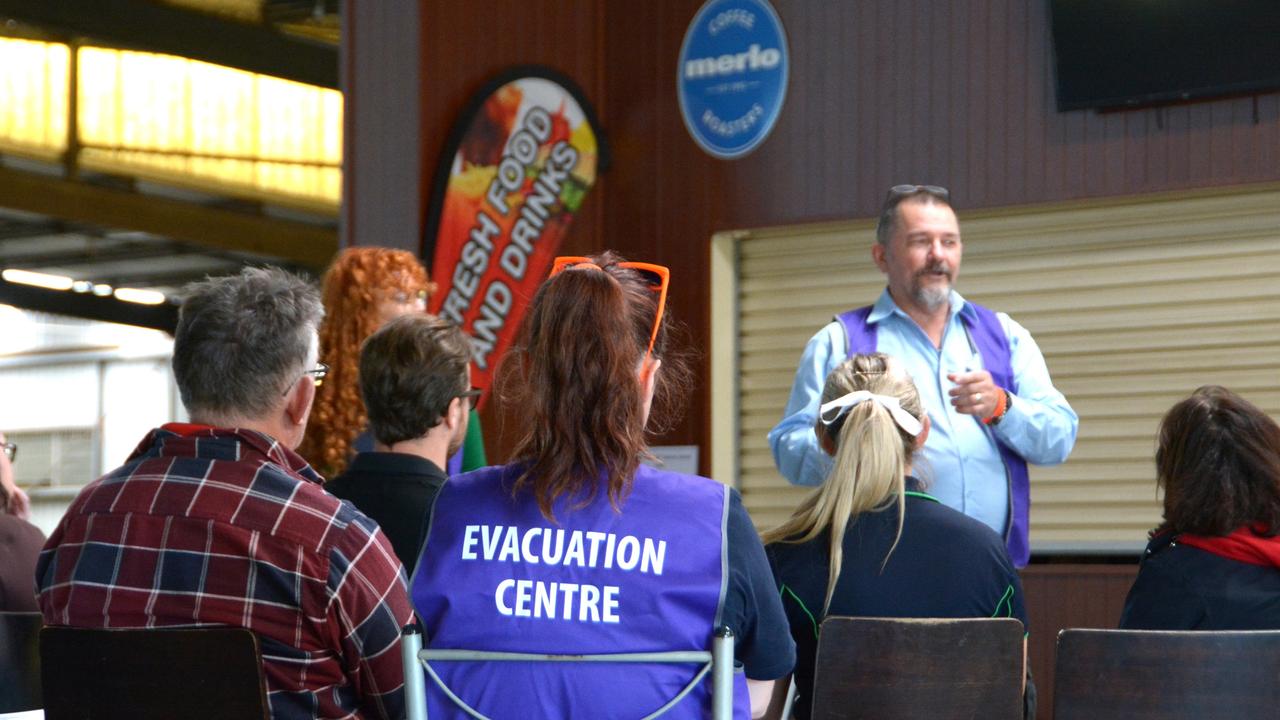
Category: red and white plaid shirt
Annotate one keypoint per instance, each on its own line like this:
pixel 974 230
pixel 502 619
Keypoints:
pixel 207 526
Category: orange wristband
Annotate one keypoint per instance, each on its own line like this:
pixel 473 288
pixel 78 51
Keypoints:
pixel 1001 406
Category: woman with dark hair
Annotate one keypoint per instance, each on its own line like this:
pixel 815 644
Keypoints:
pixel 578 548
pixel 870 541
pixel 1214 563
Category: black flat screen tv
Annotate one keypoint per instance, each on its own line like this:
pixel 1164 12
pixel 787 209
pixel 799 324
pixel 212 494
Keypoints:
pixel 1113 54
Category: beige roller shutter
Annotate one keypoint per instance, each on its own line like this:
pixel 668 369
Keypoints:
pixel 1135 303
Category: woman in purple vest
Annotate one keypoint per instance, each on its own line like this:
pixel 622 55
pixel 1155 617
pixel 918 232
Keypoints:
pixel 870 541
pixel 578 548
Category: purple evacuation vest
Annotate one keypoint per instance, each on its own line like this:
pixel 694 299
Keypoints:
pixel 496 575
pixel 988 335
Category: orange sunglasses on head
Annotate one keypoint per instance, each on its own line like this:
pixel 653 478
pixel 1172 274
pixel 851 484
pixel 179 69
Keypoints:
pixel 656 276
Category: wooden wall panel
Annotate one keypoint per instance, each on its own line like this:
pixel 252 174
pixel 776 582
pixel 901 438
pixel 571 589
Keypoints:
pixel 946 91
pixel 1068 596
pixel 953 92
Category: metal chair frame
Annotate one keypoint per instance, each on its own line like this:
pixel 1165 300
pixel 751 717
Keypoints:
pixel 718 662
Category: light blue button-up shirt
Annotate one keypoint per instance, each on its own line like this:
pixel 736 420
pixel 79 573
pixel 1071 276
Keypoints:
pixel 960 464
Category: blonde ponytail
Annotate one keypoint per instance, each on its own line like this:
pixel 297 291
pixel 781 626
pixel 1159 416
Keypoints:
pixel 872 453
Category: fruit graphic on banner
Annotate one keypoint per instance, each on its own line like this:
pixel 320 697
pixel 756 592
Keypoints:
pixel 517 169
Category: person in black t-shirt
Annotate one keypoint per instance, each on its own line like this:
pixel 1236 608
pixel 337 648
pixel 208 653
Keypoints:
pixel 870 541
pixel 415 378
pixel 1214 563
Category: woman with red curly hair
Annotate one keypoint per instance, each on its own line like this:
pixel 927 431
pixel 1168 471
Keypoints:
pixel 363 289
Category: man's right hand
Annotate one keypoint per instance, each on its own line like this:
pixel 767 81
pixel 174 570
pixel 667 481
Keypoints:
pixel 19 503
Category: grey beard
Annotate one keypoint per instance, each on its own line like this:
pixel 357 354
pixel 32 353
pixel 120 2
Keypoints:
pixel 933 297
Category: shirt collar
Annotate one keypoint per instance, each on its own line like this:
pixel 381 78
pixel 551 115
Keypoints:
pixel 394 463
pixel 885 306
pixel 915 488
pixel 235 444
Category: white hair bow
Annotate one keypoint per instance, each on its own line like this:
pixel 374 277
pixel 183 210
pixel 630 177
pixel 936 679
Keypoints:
pixel 834 410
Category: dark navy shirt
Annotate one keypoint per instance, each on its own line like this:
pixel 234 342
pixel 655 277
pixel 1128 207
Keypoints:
pixel 946 565
pixel 395 490
pixel 762 642
pixel 1180 587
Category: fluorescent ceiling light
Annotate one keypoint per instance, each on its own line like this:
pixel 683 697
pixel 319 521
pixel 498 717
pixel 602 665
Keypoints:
pixel 26 277
pixel 143 297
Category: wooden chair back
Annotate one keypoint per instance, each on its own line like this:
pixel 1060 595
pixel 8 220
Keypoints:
pixel 19 661
pixel 891 668
pixel 1169 675
pixel 153 673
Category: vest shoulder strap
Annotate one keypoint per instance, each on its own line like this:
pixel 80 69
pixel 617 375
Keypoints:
pixel 988 334
pixel 860 335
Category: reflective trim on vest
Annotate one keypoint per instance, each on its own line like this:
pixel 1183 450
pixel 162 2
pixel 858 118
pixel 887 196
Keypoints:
pixel 496 575
pixel 987 333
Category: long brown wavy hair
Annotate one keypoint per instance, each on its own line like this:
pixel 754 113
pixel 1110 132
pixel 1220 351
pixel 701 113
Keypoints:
pixel 574 373
pixel 353 286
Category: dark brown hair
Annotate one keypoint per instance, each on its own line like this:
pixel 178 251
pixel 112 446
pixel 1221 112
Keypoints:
pixel 1218 462
pixel 574 374
pixel 410 370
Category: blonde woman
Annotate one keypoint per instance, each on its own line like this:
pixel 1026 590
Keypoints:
pixel 871 541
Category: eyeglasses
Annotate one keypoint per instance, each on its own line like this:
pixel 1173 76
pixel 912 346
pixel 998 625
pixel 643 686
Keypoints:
pixel 407 296
pixel 471 396
pixel 10 450
pixel 318 372
pixel 657 277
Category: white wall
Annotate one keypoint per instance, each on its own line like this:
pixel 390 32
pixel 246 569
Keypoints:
pixel 61 373
pixel 135 399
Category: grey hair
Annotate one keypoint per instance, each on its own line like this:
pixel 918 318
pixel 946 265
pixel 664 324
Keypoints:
pixel 241 339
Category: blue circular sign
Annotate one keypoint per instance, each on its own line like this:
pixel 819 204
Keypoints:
pixel 732 77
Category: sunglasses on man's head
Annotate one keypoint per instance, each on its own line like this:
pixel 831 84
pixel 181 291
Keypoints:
pixel 897 192
pixel 657 277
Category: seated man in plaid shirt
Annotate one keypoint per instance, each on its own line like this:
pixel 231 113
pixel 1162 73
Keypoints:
pixel 219 522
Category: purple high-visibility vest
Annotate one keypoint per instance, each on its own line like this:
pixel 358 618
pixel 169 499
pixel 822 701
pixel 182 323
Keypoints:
pixel 496 575
pixel 988 335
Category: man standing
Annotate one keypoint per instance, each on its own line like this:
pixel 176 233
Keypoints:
pixel 980 374
pixel 219 522
pixel 415 378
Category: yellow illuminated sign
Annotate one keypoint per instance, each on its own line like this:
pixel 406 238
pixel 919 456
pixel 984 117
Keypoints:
pixel 175 120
